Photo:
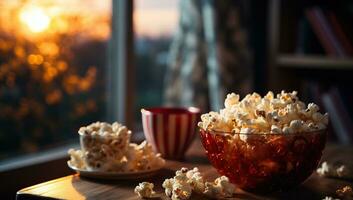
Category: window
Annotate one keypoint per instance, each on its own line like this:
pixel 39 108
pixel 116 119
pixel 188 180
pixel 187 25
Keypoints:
pixel 55 68
pixel 52 71
pixel 154 25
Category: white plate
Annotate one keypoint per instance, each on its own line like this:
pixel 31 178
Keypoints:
pixel 115 175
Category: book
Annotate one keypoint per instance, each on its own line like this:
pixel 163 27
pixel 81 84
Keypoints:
pixel 318 30
pixel 324 32
pixel 307 42
pixel 339 117
pixel 341 35
pixel 346 94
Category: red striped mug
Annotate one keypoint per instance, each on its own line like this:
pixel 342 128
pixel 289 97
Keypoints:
pixel 170 131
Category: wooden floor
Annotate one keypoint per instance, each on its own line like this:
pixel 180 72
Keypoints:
pixel 75 187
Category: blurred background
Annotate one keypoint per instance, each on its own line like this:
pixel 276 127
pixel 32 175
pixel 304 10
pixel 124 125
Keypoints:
pixel 65 64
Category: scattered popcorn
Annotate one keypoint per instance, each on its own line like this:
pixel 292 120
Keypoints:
pixel 221 187
pixel 187 181
pixel 227 189
pixel 325 169
pixel 329 198
pixel 145 190
pixel 181 190
pixel 196 180
pixel 345 192
pixel 340 171
pixel 284 113
pixel 107 147
pixel 168 186
pixel 178 187
pixel 211 189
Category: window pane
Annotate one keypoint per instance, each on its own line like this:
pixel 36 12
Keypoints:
pixel 52 71
pixel 154 23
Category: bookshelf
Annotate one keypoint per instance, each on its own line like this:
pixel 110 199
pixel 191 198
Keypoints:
pixel 313 62
pixel 285 65
pixel 310 50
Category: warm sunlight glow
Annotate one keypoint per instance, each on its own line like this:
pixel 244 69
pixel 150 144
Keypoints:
pixel 35 19
pixel 155 19
pixel 161 26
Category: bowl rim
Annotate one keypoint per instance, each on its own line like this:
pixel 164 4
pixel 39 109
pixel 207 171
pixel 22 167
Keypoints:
pixel 320 131
pixel 170 110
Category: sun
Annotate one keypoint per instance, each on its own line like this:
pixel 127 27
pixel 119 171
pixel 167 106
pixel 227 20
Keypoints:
pixel 34 18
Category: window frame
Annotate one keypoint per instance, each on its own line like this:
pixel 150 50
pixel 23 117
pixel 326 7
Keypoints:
pixel 120 64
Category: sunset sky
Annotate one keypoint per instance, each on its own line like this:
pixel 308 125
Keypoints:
pixel 152 18
pixel 155 18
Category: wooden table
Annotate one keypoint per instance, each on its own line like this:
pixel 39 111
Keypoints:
pixel 76 187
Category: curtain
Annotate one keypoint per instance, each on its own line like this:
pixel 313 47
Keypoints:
pixel 209 56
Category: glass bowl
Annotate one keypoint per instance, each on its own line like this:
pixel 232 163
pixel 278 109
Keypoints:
pixel 264 162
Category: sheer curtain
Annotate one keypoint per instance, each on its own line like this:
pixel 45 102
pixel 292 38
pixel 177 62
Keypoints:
pixel 209 56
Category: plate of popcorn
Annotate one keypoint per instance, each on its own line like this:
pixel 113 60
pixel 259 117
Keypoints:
pixel 107 153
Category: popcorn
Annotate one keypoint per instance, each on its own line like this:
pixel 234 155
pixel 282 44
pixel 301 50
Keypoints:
pixel 329 198
pixel 221 187
pixel 340 171
pixel 145 190
pixel 196 180
pixel 104 145
pixel 187 181
pixel 212 190
pixel 142 157
pixel 179 187
pixel 215 122
pixel 107 147
pixel 275 129
pixel 313 108
pixel 168 186
pixel 255 114
pixel 325 169
pixel 245 131
pixel 226 188
pixel 296 124
pixel 231 100
pixel 76 158
pixel 181 190
pixel 287 130
pixel 345 192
